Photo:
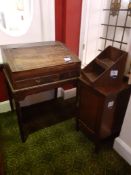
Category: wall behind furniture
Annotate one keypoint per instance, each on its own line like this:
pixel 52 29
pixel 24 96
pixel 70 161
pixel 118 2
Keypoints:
pixel 68 19
pixel 67 28
pixel 90 29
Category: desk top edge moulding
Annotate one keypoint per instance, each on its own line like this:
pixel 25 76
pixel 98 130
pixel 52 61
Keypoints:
pixel 22 57
pixel 50 61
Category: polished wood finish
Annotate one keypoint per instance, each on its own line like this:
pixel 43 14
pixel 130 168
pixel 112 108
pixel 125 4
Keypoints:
pixel 103 95
pixel 37 67
pixel 101 69
pixel 101 109
pixel 39 63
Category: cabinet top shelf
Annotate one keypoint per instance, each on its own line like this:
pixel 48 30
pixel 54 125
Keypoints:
pixel 105 63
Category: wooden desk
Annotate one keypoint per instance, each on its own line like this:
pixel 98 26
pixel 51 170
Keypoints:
pixel 37 67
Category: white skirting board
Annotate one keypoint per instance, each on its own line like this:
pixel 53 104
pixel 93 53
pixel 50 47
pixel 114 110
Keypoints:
pixel 40 97
pixel 5 106
pixel 69 93
pixel 122 149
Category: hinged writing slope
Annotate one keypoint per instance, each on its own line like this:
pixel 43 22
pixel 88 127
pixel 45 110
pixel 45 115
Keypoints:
pixel 107 68
pixel 35 64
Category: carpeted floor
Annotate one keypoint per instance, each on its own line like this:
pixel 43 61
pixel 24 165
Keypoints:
pixel 56 150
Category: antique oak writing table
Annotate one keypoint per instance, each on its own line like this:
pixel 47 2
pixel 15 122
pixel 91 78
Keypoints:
pixel 37 67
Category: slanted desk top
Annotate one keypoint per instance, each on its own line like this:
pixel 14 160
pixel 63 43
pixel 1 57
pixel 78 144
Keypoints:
pixel 37 55
pixel 28 65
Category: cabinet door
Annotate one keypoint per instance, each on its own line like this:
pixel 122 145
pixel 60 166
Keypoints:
pixel 91 107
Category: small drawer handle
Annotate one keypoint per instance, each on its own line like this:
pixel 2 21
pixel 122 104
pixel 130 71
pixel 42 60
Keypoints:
pixel 37 81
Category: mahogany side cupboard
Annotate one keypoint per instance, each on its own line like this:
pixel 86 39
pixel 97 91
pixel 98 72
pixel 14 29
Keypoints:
pixel 103 95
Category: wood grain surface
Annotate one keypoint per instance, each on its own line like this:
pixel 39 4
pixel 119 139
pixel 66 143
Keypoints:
pixel 37 56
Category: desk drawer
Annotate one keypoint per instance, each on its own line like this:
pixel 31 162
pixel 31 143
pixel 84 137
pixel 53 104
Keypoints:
pixel 46 79
pixel 69 74
pixel 37 81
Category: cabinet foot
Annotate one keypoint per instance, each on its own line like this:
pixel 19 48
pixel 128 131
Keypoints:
pixel 19 117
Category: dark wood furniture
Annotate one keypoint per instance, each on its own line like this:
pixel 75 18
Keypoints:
pixel 37 67
pixel 101 110
pixel 107 68
pixel 103 95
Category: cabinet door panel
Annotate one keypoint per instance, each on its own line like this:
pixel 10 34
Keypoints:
pixel 90 107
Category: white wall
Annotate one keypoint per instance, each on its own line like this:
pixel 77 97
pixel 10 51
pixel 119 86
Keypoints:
pixel 125 134
pixel 90 28
pixel 33 34
pixel 122 144
pixel 42 27
pixel 48 19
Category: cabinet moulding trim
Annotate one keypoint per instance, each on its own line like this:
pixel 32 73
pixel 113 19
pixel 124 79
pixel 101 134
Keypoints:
pixel 123 149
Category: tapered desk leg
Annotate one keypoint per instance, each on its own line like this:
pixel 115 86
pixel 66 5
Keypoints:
pixel 10 97
pixel 77 107
pixel 19 117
